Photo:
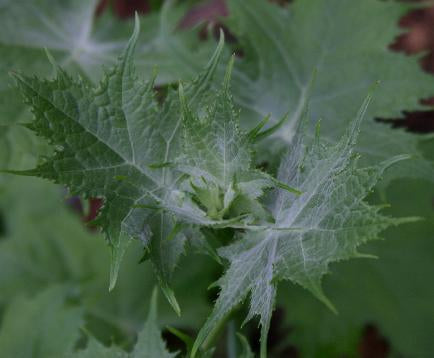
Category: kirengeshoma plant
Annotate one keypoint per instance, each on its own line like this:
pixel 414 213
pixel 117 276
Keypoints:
pixel 183 170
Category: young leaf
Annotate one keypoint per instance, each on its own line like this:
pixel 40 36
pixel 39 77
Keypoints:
pixel 218 156
pixel 324 224
pixel 215 148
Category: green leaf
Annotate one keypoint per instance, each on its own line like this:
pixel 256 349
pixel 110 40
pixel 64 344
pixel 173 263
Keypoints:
pixel 20 148
pixel 149 342
pixel 234 350
pixel 246 352
pixel 346 44
pixel 153 165
pixel 83 42
pixel 44 243
pixel 118 130
pixel 218 156
pixel 29 27
pixel 95 349
pixel 214 146
pixel 324 224
pixel 43 326
pixel 384 292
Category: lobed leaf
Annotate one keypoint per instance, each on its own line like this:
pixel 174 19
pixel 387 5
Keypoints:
pixel 326 223
pixel 116 142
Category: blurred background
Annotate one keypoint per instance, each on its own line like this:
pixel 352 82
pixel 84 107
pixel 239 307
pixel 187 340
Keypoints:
pixel 48 249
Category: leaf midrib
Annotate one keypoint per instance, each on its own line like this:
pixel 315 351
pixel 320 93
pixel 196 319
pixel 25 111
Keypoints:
pixel 126 161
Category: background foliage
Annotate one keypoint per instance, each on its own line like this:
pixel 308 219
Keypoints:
pixel 54 269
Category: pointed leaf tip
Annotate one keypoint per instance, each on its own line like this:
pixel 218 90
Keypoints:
pixel 51 59
pixel 271 130
pixel 286 187
pixel 228 73
pixel 154 303
pixel 391 161
pixel 170 296
pixel 253 133
pixel 182 97
pixel 117 255
pixel 221 37
pixel 324 299
pixel 114 270
pixel 134 36
pixel 361 255
pixel 27 173
pixel 136 24
pixel 216 55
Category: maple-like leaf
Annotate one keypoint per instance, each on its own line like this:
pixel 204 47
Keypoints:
pixel 111 141
pixel 115 141
pixel 347 44
pixel 326 223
